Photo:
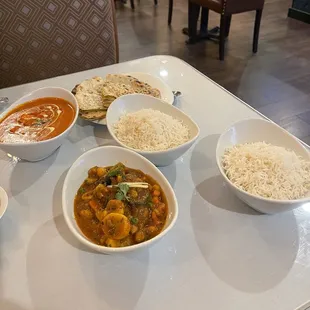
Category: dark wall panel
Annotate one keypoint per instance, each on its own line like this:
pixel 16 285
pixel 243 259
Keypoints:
pixel 302 5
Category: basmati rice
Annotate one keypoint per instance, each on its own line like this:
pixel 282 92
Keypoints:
pixel 151 130
pixel 268 171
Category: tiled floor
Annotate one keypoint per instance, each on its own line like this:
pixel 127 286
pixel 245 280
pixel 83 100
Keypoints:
pixel 276 81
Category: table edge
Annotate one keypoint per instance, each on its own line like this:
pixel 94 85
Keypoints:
pixel 171 57
pixel 227 91
pixel 148 57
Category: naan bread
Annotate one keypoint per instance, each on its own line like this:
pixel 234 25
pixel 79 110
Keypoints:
pixel 117 85
pixel 93 115
pixel 95 95
pixel 89 94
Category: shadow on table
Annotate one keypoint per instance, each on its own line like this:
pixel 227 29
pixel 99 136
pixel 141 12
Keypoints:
pixel 216 192
pixel 54 278
pixel 10 238
pixel 252 253
pixel 103 136
pixel 59 219
pixel 58 273
pixel 209 184
pixel 118 280
pixel 170 173
pixel 26 173
pixel 203 160
pixel 79 133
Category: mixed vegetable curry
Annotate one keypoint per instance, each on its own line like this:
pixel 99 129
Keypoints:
pixel 119 206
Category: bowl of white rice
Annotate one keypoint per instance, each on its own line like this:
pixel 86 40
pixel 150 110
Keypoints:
pixel 151 127
pixel 265 166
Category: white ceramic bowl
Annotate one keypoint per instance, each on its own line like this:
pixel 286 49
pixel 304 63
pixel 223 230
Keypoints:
pixel 36 151
pixel 108 156
pixel 136 102
pixel 257 130
pixel 3 201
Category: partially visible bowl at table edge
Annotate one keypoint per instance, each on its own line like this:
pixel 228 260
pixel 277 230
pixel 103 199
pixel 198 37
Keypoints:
pixel 35 151
pixel 3 201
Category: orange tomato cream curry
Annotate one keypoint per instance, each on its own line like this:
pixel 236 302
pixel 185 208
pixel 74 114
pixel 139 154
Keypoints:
pixel 36 120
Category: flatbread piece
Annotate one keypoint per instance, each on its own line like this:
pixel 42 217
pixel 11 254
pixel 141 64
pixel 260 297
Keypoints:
pixel 93 115
pixel 120 84
pixel 95 95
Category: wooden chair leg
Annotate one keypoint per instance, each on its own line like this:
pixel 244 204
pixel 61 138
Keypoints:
pixel 204 20
pixel 228 22
pixel 258 19
pixel 222 36
pixel 170 12
pixel 193 14
pixel 132 4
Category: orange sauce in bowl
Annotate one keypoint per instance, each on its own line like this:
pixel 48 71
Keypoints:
pixel 36 120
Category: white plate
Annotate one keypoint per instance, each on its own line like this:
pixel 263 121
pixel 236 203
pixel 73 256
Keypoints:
pixel 165 90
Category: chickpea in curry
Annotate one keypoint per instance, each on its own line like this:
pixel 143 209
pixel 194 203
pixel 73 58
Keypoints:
pixel 112 210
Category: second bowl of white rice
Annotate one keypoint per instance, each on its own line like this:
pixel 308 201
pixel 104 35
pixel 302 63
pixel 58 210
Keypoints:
pixel 265 166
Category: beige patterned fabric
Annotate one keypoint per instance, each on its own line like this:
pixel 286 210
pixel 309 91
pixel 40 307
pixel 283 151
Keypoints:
pixel 46 38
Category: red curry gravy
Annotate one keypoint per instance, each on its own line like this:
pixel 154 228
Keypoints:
pixel 36 120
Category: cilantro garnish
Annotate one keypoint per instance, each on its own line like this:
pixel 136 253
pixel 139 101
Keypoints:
pixel 122 191
pixel 82 190
pixel 134 220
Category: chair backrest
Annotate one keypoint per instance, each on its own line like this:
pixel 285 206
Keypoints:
pixel 46 38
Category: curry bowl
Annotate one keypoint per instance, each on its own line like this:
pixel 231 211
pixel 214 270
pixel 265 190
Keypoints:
pixel 135 102
pixel 108 156
pixel 39 149
pixel 258 130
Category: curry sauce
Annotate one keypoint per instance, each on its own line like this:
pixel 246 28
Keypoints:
pixel 36 120
pixel 111 211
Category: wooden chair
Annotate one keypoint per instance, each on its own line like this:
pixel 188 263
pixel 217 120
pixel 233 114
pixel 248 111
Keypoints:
pixel 170 12
pixel 226 8
pixel 50 38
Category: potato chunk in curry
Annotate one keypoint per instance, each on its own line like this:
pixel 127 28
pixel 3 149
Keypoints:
pixel 113 211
